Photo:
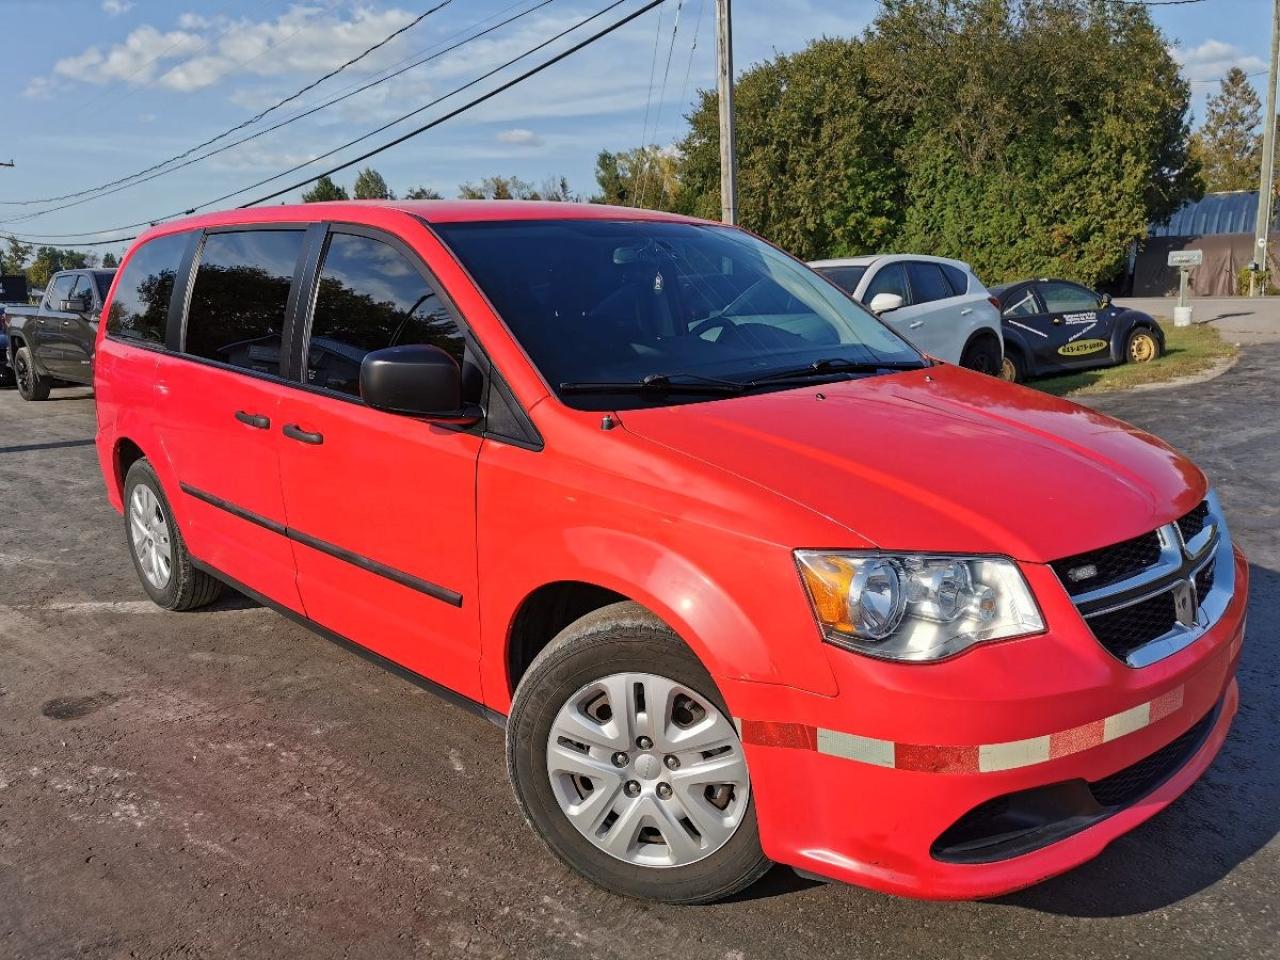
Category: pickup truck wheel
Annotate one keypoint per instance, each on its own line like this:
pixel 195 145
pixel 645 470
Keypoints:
pixel 159 553
pixel 982 355
pixel 31 385
pixel 627 765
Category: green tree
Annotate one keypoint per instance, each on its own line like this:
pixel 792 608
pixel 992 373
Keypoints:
pixel 499 188
pixel 110 260
pixel 50 260
pixel 371 186
pixel 643 177
pixel 324 189
pixel 14 260
pixel 1030 143
pixel 1229 144
pixel 817 172
pixel 422 193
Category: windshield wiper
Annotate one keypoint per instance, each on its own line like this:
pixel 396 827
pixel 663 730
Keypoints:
pixel 657 383
pixel 836 365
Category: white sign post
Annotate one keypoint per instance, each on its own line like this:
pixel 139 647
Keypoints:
pixel 1184 260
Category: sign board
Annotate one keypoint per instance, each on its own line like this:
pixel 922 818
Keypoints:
pixel 1186 258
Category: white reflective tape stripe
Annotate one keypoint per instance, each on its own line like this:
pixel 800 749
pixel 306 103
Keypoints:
pixel 1015 753
pixel 1118 724
pixel 850 746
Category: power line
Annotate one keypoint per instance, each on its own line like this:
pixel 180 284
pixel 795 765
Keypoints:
pixel 653 76
pixel 283 123
pixel 688 72
pixel 245 123
pixel 662 96
pixel 1256 73
pixel 412 133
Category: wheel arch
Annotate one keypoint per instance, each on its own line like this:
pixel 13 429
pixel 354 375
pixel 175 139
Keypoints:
pixel 606 566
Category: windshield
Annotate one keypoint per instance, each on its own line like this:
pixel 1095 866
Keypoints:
pixel 621 301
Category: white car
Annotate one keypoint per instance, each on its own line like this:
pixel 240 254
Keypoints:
pixel 937 304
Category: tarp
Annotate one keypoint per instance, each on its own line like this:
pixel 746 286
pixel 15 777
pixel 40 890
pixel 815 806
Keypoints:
pixel 1225 255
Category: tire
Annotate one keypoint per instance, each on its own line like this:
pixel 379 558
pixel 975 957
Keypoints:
pixel 149 528
pixel 1141 346
pixel 982 354
pixel 7 378
pixel 1012 368
pixel 32 385
pixel 628 648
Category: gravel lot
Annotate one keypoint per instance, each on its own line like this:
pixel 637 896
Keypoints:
pixel 224 783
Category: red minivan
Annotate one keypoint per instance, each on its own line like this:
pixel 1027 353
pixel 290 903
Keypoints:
pixel 746 578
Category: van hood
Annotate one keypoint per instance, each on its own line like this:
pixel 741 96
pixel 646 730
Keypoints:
pixel 941 460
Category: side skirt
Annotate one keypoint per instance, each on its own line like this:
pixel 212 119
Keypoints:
pixel 441 691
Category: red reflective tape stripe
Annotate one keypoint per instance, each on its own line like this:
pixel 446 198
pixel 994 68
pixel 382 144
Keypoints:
pixel 927 759
pixel 779 733
pixel 1076 739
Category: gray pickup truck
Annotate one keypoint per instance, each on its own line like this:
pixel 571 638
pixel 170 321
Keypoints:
pixel 53 343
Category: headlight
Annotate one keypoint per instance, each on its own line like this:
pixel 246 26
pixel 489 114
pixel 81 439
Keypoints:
pixel 916 606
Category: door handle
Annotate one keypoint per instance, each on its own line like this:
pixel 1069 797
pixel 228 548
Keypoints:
pixel 966 311
pixel 255 420
pixel 1057 321
pixel 295 432
pixel 915 324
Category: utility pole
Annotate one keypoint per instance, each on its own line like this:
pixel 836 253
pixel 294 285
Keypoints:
pixel 728 146
pixel 1268 160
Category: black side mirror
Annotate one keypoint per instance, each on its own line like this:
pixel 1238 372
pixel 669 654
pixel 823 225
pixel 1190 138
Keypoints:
pixel 80 304
pixel 418 380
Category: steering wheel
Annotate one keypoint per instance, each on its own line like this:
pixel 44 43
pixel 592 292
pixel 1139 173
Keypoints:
pixel 722 323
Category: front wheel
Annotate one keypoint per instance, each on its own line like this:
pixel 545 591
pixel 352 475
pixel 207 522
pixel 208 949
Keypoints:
pixel 626 763
pixel 1142 346
pixel 31 384
pixel 1012 368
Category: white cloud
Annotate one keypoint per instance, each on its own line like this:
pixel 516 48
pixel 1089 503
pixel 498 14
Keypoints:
pixel 114 8
pixel 518 136
pixel 38 88
pixel 1213 58
pixel 204 51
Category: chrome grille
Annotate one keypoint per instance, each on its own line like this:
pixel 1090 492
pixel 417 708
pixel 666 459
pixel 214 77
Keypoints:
pixel 1099 568
pixel 1142 609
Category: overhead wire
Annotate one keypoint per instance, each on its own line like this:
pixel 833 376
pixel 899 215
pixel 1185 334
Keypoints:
pixel 684 87
pixel 282 123
pixel 654 160
pixel 471 104
pixel 244 123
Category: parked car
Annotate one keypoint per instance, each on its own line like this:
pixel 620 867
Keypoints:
pixel 746 578
pixel 937 304
pixel 13 292
pixel 54 341
pixel 6 371
pixel 1056 326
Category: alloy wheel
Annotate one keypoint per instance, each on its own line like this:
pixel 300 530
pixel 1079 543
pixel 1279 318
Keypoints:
pixel 648 770
pixel 149 536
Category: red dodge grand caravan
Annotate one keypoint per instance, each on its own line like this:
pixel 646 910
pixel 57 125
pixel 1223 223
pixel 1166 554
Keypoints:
pixel 746 577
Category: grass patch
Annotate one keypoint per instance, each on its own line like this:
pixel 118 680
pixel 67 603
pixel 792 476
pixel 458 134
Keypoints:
pixel 1187 351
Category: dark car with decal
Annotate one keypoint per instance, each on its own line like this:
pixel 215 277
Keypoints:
pixel 1056 326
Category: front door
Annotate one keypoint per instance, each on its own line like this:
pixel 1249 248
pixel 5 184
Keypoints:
pixel 74 333
pixel 1078 328
pixel 46 339
pixel 381 507
pixel 219 414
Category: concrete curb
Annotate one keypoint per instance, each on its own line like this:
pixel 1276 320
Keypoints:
pixel 1212 373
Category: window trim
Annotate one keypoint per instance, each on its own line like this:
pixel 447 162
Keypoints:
pixel 189 267
pixel 307 306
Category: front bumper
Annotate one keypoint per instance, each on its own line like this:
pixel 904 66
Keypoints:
pixel 860 787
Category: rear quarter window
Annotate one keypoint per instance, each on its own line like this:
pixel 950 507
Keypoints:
pixel 140 308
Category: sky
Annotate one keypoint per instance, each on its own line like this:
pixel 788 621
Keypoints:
pixel 99 89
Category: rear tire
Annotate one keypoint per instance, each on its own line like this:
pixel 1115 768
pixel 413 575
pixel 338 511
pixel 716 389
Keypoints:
pixel 982 355
pixel 159 553
pixel 31 384
pixel 1012 369
pixel 646 843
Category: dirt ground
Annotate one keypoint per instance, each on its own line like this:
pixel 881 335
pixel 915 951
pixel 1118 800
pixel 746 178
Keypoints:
pixel 225 784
